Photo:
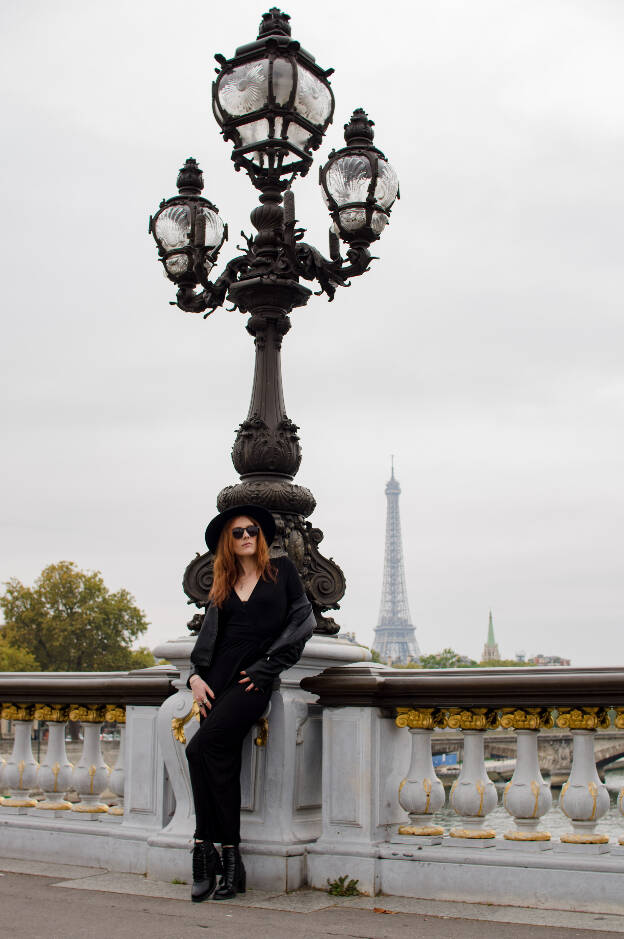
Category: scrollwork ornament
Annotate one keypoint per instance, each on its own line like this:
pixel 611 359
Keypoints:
pixel 95 714
pixel 52 713
pixel 619 718
pixel 17 712
pixel 473 719
pixel 179 723
pixel 198 578
pixel 421 718
pixel 583 718
pixel 527 718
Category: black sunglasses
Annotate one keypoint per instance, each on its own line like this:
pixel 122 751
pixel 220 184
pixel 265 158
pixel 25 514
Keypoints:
pixel 252 531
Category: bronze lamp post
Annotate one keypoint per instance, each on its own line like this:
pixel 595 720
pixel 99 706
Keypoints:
pixel 274 103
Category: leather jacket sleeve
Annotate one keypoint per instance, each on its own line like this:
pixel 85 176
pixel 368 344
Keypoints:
pixel 288 648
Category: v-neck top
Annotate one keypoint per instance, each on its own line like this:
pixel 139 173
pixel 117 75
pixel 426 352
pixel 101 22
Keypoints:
pixel 248 627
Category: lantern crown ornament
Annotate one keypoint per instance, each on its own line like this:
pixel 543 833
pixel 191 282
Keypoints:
pixel 274 103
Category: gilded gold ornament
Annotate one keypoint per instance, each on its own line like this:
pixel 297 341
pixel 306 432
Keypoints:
pixel 52 713
pixel 91 808
pixel 527 718
pixel 18 803
pixel 17 712
pixel 584 718
pixel 584 839
pixel 619 718
pixel 473 718
pixel 88 715
pixel 263 732
pixel 420 718
pixel 179 723
pixel 475 833
pixel 527 836
pixel 422 830
pixel 115 714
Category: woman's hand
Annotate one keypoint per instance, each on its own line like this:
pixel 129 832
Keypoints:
pixel 202 694
pixel 243 681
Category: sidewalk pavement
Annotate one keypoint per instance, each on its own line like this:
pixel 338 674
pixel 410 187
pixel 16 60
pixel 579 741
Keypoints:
pixel 35 902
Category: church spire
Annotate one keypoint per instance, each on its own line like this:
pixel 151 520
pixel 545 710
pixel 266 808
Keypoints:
pixel 490 649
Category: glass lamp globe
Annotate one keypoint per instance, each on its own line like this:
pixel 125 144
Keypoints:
pixel 359 185
pixel 274 102
pixel 188 230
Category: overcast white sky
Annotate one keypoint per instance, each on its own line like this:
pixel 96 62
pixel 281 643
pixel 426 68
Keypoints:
pixel 484 349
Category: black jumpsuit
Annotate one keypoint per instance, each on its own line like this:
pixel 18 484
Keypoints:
pixel 246 630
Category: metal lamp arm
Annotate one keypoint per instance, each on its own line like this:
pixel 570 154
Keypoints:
pixel 311 265
pixel 213 295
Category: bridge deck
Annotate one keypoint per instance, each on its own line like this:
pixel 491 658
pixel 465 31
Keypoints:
pixel 36 903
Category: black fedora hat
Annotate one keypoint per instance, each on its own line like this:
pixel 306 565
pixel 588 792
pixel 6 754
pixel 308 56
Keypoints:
pixel 262 516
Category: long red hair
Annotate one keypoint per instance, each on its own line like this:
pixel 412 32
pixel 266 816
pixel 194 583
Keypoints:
pixel 227 568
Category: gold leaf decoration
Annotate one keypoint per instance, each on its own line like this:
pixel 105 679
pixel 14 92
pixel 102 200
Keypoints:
pixel 420 718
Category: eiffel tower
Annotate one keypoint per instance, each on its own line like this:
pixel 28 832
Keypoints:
pixel 395 637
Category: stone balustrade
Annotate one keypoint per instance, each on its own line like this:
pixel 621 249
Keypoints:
pixel 90 788
pixel 381 792
pixel 337 778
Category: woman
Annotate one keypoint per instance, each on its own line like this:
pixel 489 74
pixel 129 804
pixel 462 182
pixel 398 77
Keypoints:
pixel 256 625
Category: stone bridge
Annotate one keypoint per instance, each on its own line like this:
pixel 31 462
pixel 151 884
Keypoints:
pixel 555 748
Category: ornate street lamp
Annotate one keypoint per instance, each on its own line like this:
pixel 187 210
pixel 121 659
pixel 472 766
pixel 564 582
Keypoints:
pixel 274 103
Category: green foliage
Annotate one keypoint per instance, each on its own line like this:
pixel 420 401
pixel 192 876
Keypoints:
pixel 343 888
pixel 505 663
pixel 16 660
pixel 447 658
pixel 69 621
pixel 375 657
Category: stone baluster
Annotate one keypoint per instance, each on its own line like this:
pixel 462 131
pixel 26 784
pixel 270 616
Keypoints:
pixel 619 723
pixel 584 798
pixel 55 772
pixel 117 780
pixel 527 796
pixel 91 773
pixel 473 794
pixel 421 793
pixel 20 772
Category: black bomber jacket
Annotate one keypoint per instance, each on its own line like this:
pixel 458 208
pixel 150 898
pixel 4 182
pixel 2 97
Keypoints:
pixel 284 651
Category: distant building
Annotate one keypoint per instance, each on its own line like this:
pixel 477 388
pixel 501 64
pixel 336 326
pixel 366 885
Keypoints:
pixel 490 649
pixel 549 660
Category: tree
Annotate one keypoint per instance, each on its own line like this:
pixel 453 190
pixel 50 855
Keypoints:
pixel 16 660
pixel 69 621
pixel 447 658
pixel 504 663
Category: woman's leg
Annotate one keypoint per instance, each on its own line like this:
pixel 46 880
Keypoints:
pixel 214 756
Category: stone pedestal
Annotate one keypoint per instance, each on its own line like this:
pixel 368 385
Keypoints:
pixel 364 756
pixel 281 773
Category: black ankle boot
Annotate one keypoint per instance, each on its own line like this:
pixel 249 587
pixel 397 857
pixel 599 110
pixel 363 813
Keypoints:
pixel 206 866
pixel 234 877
